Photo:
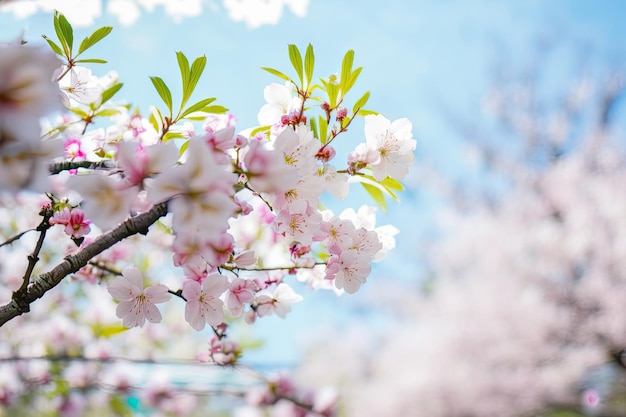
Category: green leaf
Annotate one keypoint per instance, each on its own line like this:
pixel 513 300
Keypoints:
pixel 109 330
pixel 323 129
pixel 197 106
pixel 248 343
pixel 263 129
pixel 155 114
pixel 172 135
pixel 163 228
pixel 163 91
pixel 376 194
pixel 103 154
pixel 183 64
pixel 360 102
pixel 196 117
pixel 119 406
pixel 386 185
pixel 183 148
pixel 333 92
pixel 92 60
pixel 314 127
pixel 309 64
pixel 110 92
pixel 346 70
pixel 79 112
pixel 392 184
pixel 194 76
pixel 153 121
pixel 296 60
pixel 364 112
pixel 353 77
pixel 107 113
pixel 65 33
pixel 276 73
pixel 94 38
pixel 214 109
pixel 56 48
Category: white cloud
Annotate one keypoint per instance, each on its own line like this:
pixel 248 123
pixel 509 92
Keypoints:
pixel 80 13
pixel 257 13
pixel 83 13
pixel 126 11
pixel 21 9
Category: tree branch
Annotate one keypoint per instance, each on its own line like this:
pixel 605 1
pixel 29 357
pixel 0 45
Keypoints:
pixel 33 258
pixel 58 167
pixel 16 237
pixel 21 300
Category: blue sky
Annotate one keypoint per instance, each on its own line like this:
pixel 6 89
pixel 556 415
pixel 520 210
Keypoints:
pixel 421 59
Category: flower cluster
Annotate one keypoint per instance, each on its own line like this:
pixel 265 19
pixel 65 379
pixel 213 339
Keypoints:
pixel 217 183
pixel 180 205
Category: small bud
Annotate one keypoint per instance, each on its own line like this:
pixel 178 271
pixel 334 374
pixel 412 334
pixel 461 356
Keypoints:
pixel 342 112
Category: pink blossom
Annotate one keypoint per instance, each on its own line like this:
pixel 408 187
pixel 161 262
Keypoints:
pixel 221 140
pixel 393 143
pixel 300 221
pixel 245 259
pixel 280 102
pixel 74 221
pixel 73 150
pixel 215 122
pixel 240 292
pixel 221 249
pixel 244 207
pixel 196 269
pixel 349 269
pixel 136 302
pixel 140 162
pixel 106 200
pixel 326 153
pixel 80 85
pixel 336 183
pixel 339 232
pixel 203 302
pixel 266 169
pixel 27 91
pixel 201 189
pixel 300 148
pixel 224 351
pixel 278 302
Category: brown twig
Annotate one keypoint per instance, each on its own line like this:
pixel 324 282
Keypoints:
pixel 16 237
pixel 21 300
pixel 33 258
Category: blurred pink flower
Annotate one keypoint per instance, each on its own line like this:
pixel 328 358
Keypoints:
pixel 136 303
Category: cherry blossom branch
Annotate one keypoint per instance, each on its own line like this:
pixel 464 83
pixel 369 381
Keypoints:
pixel 33 258
pixel 260 196
pixel 21 300
pixel 106 268
pixel 178 293
pixel 109 359
pixel 16 237
pixel 58 167
pixel 277 268
pixel 70 64
pixel 334 133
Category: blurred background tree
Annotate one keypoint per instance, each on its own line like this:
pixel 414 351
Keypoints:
pixel 524 313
